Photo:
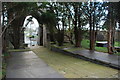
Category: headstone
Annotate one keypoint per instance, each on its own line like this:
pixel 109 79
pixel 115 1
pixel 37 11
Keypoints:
pixel 102 44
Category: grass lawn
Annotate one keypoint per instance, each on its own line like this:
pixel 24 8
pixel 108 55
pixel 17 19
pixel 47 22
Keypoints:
pixel 117 44
pixel 85 44
pixel 118 53
pixel 65 45
pixel 73 49
pixel 4 64
pixel 69 47
pixel 72 67
pixel 101 49
pixel 3 73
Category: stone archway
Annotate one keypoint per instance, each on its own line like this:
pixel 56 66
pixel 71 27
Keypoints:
pixel 31 31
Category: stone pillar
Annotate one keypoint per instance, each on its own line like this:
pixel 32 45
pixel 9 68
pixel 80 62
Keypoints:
pixel 38 39
pixel 44 36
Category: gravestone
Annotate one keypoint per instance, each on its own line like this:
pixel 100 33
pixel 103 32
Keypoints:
pixel 102 44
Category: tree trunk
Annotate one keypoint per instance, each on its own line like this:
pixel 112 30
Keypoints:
pixel 3 37
pixel 16 37
pixel 70 33
pixel 4 43
pixel 113 33
pixel 77 37
pixel 16 26
pixel 110 30
pixel 110 40
pixel 41 36
pixel 76 30
pixel 60 37
pixel 80 34
pixel 91 33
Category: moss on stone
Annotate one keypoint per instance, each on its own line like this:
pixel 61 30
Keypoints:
pixel 72 67
pixel 18 50
pixel 73 49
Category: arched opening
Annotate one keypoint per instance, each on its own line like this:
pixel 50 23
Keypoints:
pixel 31 31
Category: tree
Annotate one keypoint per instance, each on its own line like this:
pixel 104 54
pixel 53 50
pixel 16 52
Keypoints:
pixel 17 13
pixel 54 14
pixel 112 19
pixel 94 12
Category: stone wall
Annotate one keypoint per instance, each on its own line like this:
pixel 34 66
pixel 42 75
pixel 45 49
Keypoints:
pixel 102 36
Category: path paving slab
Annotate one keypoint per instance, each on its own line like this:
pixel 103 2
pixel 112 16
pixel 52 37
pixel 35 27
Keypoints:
pixel 110 60
pixel 28 65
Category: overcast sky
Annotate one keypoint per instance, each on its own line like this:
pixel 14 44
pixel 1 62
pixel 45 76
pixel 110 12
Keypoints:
pixel 34 25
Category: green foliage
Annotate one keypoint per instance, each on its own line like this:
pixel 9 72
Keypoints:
pixel 74 49
pixel 85 43
pixel 6 54
pixel 101 49
pixel 4 66
pixel 117 44
pixel 65 45
pixel 60 37
pixel 16 13
pixel 48 19
pixel 21 8
pixel 118 53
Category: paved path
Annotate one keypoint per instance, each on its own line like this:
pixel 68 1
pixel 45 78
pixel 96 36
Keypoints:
pixel 94 56
pixel 28 65
pixel 72 67
pixel 110 60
